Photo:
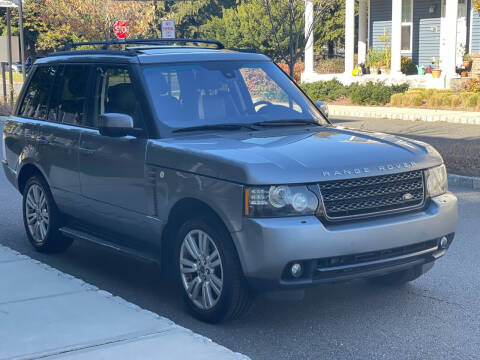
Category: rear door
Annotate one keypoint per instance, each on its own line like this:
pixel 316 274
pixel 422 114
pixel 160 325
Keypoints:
pixel 59 134
pixel 22 133
pixel 112 169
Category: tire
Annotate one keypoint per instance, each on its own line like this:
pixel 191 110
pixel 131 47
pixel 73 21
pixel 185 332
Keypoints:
pixel 215 289
pixel 398 278
pixel 42 218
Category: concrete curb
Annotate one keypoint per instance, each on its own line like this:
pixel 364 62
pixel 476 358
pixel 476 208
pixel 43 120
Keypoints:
pixel 159 328
pixel 470 182
pixel 411 114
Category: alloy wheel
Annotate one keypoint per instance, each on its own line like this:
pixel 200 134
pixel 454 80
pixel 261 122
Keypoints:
pixel 201 269
pixel 37 213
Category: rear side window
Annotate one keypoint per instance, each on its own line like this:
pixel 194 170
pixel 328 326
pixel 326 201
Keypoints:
pixel 35 102
pixel 114 93
pixel 69 99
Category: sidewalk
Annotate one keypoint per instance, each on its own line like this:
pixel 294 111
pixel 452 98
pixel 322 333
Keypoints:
pixel 51 315
pixel 403 113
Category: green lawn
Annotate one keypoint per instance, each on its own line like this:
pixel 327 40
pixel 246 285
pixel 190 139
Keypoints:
pixel 17 77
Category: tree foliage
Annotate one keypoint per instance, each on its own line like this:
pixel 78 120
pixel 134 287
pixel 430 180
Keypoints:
pixel 192 15
pixel 245 26
pixel 287 26
pixel 476 4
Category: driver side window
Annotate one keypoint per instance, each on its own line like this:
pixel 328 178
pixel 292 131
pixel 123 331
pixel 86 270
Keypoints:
pixel 114 93
pixel 263 89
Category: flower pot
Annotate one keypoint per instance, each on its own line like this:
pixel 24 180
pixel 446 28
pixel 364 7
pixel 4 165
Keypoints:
pixel 436 73
pixel 464 74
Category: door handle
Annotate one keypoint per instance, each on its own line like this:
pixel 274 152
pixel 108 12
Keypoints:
pixel 88 151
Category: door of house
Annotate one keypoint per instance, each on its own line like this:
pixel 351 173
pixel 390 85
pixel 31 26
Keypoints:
pixel 443 32
pixel 461 31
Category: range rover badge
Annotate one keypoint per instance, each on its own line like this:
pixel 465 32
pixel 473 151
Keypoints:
pixel 407 196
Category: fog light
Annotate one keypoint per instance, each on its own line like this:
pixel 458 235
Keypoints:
pixel 296 270
pixel 444 242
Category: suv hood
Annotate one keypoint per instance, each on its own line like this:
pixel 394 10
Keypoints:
pixel 291 155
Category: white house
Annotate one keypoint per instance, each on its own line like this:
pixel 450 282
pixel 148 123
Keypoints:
pixel 419 29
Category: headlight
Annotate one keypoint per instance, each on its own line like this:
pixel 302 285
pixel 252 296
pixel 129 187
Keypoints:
pixel 436 180
pixel 277 201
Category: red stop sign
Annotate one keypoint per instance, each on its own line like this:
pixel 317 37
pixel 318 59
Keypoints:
pixel 120 29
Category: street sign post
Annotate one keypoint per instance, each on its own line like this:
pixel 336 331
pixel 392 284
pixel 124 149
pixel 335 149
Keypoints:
pixel 120 29
pixel 168 29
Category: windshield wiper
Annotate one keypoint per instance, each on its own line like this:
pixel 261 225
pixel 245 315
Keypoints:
pixel 287 122
pixel 233 126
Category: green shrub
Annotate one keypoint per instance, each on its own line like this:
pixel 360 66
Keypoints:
pixel 456 100
pixel 374 93
pixel 417 100
pixel 473 100
pixel 435 100
pixel 446 100
pixel 325 90
pixel 466 97
pixel 396 99
pixel 408 66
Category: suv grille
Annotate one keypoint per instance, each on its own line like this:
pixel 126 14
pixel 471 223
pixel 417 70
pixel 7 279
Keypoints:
pixel 344 199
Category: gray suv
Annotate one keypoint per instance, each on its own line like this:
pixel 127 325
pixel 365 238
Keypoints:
pixel 215 164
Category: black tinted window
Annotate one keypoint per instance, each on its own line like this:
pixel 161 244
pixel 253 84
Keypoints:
pixel 35 102
pixel 114 93
pixel 68 104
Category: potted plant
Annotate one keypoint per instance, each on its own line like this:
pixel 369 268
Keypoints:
pixel 436 71
pixel 464 74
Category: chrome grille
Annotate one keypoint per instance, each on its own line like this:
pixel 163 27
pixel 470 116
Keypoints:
pixel 366 196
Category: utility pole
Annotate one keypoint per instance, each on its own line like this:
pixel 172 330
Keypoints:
pixel 9 50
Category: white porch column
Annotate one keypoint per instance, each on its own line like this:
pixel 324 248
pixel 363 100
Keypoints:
pixel 349 36
pixel 362 31
pixel 448 63
pixel 396 36
pixel 309 56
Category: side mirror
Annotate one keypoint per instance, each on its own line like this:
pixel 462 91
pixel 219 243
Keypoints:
pixel 322 107
pixel 117 125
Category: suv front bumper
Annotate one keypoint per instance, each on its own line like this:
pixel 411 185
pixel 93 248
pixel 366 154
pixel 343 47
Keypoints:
pixel 267 247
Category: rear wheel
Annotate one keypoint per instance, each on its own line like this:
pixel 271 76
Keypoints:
pixel 209 271
pixel 41 217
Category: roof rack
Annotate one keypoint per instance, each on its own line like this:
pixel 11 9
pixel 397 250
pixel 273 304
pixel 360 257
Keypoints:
pixel 106 44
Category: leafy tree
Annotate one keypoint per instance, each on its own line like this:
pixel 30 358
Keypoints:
pixel 245 26
pixel 286 21
pixel 331 31
pixel 191 15
pixel 476 4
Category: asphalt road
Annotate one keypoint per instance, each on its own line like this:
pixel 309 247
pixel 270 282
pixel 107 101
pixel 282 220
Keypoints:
pixel 435 317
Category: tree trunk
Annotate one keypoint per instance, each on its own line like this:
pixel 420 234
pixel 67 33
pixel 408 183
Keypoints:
pixel 330 49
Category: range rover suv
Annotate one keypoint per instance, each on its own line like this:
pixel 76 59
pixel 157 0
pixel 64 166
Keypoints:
pixel 215 164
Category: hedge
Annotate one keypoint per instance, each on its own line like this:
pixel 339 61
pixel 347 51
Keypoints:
pixel 365 94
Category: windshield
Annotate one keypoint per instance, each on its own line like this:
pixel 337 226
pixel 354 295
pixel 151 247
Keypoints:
pixel 212 93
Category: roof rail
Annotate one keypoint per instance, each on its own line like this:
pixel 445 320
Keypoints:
pixel 106 44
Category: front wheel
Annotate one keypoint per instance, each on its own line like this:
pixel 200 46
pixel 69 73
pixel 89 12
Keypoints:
pixel 209 271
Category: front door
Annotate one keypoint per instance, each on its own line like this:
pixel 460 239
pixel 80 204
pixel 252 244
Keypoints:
pixel 461 31
pixel 112 169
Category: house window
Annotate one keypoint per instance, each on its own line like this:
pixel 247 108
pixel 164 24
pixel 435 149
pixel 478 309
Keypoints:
pixel 407 15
